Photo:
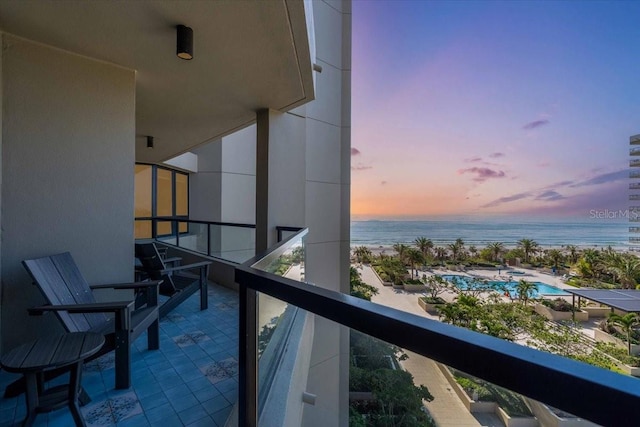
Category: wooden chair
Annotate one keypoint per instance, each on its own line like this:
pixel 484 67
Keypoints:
pixel 179 282
pixel 69 296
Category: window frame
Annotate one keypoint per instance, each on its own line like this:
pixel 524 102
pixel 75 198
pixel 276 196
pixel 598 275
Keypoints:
pixel 175 224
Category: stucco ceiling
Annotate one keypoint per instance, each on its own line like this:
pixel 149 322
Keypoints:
pixel 248 55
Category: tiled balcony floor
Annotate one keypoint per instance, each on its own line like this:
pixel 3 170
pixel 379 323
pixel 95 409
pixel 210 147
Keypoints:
pixel 191 381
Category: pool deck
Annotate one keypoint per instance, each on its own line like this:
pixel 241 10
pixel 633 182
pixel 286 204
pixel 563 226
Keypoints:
pixel 529 275
pixel 446 408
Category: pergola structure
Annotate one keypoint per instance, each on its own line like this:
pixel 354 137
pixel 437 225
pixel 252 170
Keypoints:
pixel 627 300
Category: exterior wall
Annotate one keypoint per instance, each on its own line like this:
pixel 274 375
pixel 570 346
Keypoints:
pixel 307 184
pixel 68 168
pixel 281 194
pixel 224 190
pixel 328 206
pixel 239 176
pixel 204 186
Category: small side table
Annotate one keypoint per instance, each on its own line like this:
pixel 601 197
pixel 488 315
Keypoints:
pixel 35 358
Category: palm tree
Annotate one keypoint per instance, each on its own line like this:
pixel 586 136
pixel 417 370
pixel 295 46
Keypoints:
pixel 449 313
pixel 425 245
pixel 496 249
pixel 473 250
pixel 415 257
pixel 456 248
pixel 573 253
pixel 626 322
pixel 555 256
pixel 401 249
pixel 589 264
pixel 441 253
pixel 525 290
pixel 625 268
pixel 528 246
pixel 362 254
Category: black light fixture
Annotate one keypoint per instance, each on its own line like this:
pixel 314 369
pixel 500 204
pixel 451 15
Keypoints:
pixel 149 142
pixel 184 44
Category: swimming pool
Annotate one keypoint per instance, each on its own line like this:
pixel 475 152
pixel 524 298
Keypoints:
pixel 501 286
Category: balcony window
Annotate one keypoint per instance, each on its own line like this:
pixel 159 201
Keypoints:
pixel 160 193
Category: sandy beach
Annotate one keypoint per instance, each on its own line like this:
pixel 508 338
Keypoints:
pixel 388 249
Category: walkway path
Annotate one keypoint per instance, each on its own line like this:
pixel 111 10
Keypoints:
pixel 446 408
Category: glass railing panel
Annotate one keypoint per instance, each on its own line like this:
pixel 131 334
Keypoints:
pixel 283 337
pixel 384 383
pixel 287 259
pixel 532 383
pixel 194 238
pixel 278 330
pixel 236 244
pixel 387 383
pixel 284 348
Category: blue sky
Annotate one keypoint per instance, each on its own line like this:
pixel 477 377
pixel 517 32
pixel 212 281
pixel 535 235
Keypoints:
pixel 487 108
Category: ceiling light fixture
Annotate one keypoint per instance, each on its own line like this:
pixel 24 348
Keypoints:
pixel 184 44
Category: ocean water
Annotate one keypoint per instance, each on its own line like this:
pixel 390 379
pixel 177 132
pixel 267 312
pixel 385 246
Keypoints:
pixel 479 232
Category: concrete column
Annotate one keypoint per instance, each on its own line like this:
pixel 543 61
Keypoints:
pixel 262 181
pixel 280 174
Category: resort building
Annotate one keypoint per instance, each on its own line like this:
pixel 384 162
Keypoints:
pixel 111 133
pixel 634 196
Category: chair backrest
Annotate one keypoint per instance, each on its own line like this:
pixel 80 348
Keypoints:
pixel 61 283
pixel 153 266
pixel 149 257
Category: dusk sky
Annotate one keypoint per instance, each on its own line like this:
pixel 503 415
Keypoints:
pixel 485 108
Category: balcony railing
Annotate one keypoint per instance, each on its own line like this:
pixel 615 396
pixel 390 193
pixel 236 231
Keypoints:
pixel 595 394
pixel 229 241
pixel 233 242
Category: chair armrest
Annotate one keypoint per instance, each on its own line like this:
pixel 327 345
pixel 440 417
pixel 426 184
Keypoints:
pixel 135 285
pixel 98 307
pixel 187 267
pixel 172 259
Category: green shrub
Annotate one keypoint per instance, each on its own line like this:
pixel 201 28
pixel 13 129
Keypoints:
pixel 470 386
pixel 618 353
pixel 512 403
pixel 558 304
pixel 432 300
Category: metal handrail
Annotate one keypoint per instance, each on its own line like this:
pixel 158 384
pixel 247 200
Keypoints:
pixel 197 221
pixel 593 393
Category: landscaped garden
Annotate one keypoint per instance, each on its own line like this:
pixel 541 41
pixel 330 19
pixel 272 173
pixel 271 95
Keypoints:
pixel 481 391
pixel 381 392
